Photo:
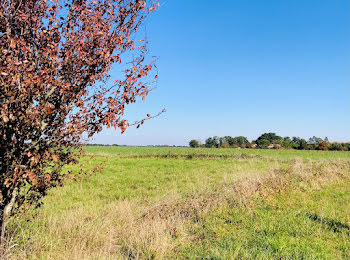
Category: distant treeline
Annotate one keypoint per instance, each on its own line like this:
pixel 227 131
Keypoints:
pixel 103 145
pixel 272 141
pixel 160 145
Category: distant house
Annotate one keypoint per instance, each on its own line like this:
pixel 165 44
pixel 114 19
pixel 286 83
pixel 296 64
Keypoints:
pixel 274 146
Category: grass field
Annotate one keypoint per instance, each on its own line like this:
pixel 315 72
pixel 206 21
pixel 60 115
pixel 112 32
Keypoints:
pixel 182 203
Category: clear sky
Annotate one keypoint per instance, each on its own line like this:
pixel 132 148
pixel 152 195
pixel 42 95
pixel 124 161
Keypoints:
pixel 246 67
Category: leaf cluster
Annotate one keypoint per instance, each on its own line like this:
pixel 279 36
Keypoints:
pixel 55 63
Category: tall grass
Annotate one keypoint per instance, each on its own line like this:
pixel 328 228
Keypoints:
pixel 181 204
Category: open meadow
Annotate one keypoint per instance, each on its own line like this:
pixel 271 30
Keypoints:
pixel 155 129
pixel 183 203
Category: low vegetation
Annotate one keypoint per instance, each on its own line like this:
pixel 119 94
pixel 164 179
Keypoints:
pixel 193 203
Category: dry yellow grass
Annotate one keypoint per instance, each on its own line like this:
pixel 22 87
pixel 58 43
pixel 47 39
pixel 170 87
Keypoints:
pixel 142 228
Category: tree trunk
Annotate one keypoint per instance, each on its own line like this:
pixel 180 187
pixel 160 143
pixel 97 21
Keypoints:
pixel 5 211
pixel 2 238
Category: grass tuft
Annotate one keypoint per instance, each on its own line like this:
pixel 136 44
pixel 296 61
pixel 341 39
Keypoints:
pixel 154 203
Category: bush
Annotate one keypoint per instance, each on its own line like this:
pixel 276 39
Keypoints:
pixel 263 143
pixel 225 145
pixel 194 143
pixel 322 146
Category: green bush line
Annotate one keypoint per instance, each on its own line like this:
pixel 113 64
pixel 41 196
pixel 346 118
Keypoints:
pixel 271 141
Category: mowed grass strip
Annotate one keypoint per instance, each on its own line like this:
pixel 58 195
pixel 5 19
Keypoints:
pixel 154 207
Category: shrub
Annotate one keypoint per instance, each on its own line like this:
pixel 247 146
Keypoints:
pixel 263 143
pixel 194 143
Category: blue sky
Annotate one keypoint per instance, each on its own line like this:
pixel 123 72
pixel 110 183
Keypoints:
pixel 244 68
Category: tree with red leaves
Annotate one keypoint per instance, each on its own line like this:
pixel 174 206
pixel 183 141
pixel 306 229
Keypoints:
pixel 55 64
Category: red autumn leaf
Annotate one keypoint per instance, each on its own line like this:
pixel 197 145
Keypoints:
pixel 55 158
pixel 55 65
pixel 5 119
pixel 12 44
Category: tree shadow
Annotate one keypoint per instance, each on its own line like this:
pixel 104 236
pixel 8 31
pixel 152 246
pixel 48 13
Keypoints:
pixel 332 224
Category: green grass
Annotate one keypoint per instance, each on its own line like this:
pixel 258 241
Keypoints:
pixel 270 153
pixel 195 203
pixel 295 225
pixel 138 178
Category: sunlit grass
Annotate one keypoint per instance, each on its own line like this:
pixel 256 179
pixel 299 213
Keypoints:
pixel 271 153
pixel 249 204
pixel 294 225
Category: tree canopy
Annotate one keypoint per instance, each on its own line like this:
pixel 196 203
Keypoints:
pixel 194 143
pixel 55 63
pixel 271 137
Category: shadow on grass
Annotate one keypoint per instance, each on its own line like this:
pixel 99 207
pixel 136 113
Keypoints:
pixel 333 225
